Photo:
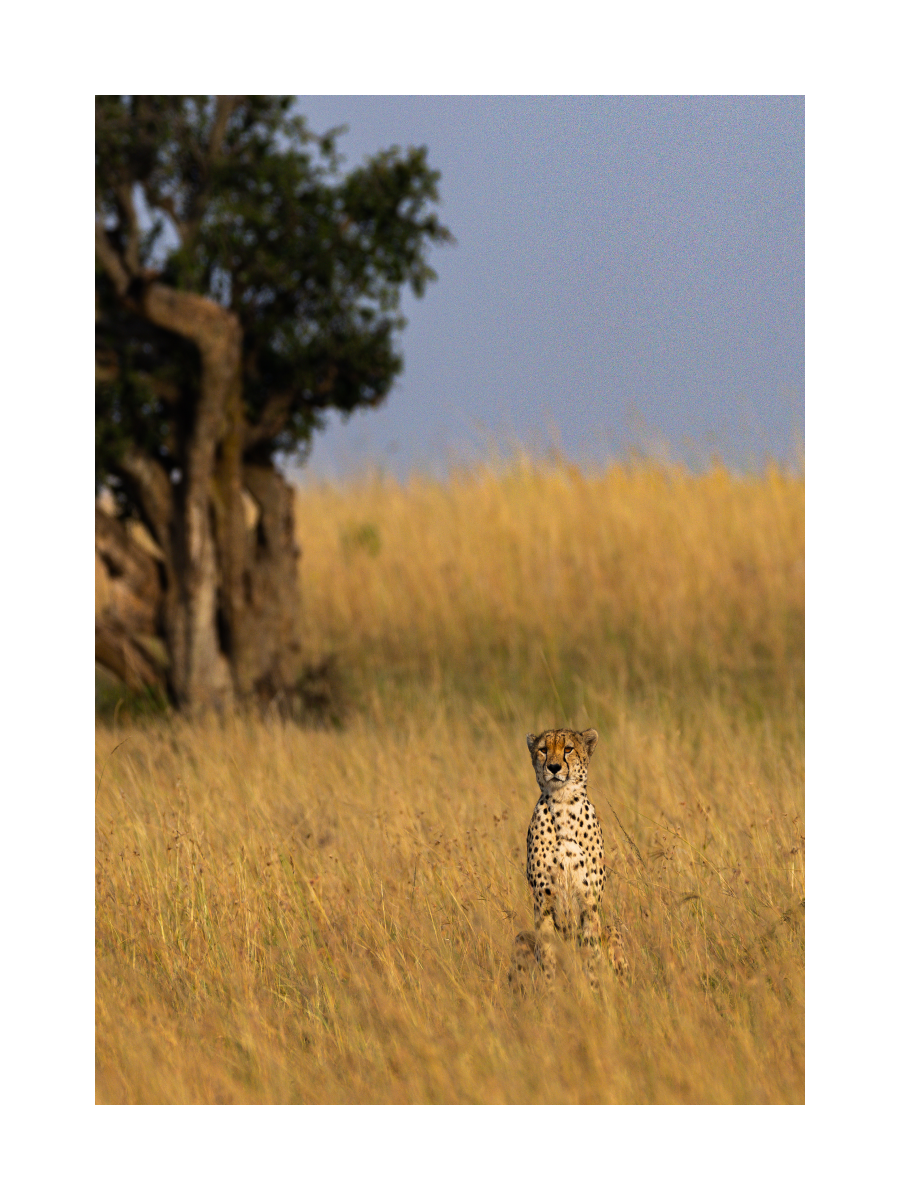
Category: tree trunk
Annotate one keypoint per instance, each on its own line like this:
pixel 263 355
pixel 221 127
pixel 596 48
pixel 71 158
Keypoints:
pixel 270 663
pixel 143 625
pixel 228 609
pixel 200 676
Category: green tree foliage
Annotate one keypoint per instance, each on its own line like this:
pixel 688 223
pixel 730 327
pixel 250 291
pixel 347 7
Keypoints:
pixel 256 216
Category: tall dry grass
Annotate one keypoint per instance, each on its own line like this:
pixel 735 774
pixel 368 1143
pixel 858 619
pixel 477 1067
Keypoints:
pixel 291 914
pixel 635 579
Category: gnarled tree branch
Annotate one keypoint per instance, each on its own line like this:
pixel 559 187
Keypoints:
pixel 212 327
pixel 272 420
pixel 111 261
pixel 131 229
pixel 167 204
pixel 225 106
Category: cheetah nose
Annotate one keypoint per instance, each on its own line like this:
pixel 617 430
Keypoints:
pixel 554 767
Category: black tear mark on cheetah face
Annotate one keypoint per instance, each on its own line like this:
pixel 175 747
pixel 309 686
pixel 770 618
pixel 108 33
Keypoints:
pixel 561 756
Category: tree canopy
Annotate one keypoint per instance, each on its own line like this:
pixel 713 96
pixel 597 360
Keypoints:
pixel 236 200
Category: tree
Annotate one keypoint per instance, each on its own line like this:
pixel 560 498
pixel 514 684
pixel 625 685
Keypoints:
pixel 243 287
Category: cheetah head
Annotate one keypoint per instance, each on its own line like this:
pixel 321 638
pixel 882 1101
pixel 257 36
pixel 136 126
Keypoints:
pixel 561 756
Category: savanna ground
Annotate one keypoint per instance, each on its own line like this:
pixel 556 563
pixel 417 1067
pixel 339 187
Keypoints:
pixel 299 914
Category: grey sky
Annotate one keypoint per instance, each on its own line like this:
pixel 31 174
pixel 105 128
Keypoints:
pixel 627 270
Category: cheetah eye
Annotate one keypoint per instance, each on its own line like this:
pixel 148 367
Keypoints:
pixel 568 749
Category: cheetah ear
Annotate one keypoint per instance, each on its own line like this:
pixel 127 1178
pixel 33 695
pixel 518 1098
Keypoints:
pixel 590 737
pixel 531 738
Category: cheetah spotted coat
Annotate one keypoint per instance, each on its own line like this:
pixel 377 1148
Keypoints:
pixel 565 866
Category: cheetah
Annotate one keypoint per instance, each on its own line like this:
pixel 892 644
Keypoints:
pixel 565 867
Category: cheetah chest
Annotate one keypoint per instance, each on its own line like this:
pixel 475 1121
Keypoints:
pixel 565 850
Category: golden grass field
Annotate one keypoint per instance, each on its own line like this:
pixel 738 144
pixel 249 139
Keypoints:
pixel 292 914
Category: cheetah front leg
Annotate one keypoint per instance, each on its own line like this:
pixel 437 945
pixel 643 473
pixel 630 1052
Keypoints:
pixel 524 959
pixel 545 936
pixel 589 936
pixel 615 952
pixel 593 938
